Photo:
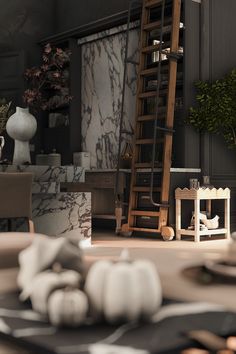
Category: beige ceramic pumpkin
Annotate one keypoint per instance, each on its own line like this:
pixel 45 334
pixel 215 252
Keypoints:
pixel 123 291
pixel 67 307
pixel 45 282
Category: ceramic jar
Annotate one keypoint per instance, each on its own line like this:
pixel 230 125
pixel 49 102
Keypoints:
pixel 21 126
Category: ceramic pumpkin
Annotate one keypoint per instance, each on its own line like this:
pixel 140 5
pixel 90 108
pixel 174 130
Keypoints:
pixel 67 307
pixel 45 282
pixel 123 291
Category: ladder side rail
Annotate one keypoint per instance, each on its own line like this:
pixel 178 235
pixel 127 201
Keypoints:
pixel 117 196
pixel 157 108
pixel 170 109
pixel 138 109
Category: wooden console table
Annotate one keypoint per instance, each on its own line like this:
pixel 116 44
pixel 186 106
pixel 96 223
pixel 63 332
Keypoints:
pixel 101 183
pixel 197 195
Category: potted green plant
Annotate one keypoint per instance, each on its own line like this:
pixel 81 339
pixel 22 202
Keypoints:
pixel 216 108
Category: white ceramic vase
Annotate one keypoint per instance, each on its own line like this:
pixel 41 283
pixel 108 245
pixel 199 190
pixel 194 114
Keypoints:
pixel 2 143
pixel 21 127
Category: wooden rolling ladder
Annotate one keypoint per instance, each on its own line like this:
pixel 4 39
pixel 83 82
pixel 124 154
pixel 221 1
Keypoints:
pixel 150 177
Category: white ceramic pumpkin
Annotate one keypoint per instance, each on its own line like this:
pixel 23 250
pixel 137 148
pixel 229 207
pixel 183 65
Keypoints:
pixel 45 282
pixel 67 307
pixel 123 291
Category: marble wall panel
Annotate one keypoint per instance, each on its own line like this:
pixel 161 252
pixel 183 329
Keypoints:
pixel 45 187
pixel 58 214
pixel 63 213
pixel 102 86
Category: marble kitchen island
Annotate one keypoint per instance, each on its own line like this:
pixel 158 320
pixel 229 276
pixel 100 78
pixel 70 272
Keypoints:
pixel 55 212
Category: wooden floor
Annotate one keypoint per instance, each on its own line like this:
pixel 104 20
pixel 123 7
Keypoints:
pixel 169 257
pixel 108 238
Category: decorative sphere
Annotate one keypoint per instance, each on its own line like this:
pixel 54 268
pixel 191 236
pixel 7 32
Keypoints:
pixel 21 125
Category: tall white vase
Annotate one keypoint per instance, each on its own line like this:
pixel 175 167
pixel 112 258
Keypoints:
pixel 2 143
pixel 21 127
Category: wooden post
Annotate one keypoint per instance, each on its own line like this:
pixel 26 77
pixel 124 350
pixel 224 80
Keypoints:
pixel 227 217
pixel 178 219
pixel 197 220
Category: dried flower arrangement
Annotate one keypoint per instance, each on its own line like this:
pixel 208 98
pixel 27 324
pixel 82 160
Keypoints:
pixel 5 113
pixel 48 83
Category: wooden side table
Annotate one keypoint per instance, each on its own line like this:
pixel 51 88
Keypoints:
pixel 197 195
pixel 101 183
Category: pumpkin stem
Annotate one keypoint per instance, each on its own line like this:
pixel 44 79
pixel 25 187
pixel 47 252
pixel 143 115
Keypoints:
pixel 56 267
pixel 125 256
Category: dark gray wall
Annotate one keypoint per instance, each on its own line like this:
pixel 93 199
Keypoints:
pixel 188 141
pixel 218 57
pixel 23 23
pixel 73 13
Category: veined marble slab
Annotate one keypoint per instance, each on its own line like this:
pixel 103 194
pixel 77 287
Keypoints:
pixel 49 173
pixel 102 86
pixel 45 187
pixel 67 214
pixel 55 213
pixel 63 213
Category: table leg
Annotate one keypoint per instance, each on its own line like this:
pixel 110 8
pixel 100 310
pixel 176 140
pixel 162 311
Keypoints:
pixel 178 219
pixel 227 218
pixel 208 208
pixel 118 214
pixel 197 220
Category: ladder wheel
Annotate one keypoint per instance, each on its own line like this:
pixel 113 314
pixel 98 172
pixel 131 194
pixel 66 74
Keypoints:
pixel 167 233
pixel 125 231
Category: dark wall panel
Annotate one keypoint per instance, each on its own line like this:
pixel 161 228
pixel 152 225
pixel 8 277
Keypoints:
pixel 73 13
pixel 218 57
pixel 191 147
pixel 222 159
pixel 223 42
pixel 24 23
pixel 12 66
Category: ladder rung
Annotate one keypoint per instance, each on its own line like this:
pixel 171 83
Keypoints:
pixel 144 229
pixel 155 47
pixel 144 141
pixel 157 24
pixel 149 117
pixel 157 31
pixel 130 61
pixel 149 72
pixel 166 130
pixel 151 25
pixel 153 71
pixel 147 165
pixel 152 3
pixel 145 189
pixel 145 213
pixel 152 93
pixel 150 48
pixel 148 141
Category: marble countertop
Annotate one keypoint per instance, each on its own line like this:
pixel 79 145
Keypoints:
pixel 173 169
pixel 45 187
pixel 107 170
pixel 42 173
